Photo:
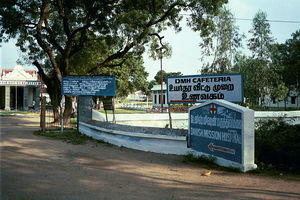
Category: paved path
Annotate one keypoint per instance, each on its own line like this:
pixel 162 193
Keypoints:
pixel 35 167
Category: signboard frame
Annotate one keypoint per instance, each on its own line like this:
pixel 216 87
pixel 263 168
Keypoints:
pixel 191 86
pixel 19 83
pixel 109 90
pixel 208 141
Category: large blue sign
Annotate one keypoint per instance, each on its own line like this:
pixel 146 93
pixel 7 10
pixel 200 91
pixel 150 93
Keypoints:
pixel 216 130
pixel 88 86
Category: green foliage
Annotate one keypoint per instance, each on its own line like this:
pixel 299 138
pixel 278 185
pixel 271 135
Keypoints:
pixel 52 33
pixel 278 143
pixel 288 59
pixel 261 45
pixel 207 162
pixel 130 76
pixel 151 84
pixel 261 42
pixel 165 75
pixel 261 73
pixel 250 69
pixel 221 44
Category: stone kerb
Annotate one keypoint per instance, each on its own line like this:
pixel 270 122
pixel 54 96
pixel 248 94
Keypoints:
pixel 225 131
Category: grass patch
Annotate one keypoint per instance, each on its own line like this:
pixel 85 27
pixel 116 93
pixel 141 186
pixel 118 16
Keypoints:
pixel 275 173
pixel 18 112
pixel 70 136
pixel 207 162
pixel 124 111
pixel 73 137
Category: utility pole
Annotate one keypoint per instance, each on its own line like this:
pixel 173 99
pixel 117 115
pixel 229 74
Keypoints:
pixel 161 76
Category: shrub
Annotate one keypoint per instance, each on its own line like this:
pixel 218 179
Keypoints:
pixel 278 143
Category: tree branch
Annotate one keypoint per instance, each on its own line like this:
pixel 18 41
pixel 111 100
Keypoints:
pixel 41 72
pixel 51 38
pixel 159 37
pixel 127 48
pixel 166 14
pixel 40 41
pixel 64 18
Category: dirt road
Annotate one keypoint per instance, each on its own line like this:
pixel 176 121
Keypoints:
pixel 35 167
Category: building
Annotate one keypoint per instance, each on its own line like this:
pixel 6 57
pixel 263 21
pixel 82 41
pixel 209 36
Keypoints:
pixel 156 96
pixel 137 96
pixel 292 101
pixel 19 89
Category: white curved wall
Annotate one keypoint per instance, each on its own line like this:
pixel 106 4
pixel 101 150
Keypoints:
pixel 140 141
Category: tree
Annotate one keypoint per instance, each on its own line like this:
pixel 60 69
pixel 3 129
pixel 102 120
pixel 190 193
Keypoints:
pixel 131 76
pixel 221 44
pixel 157 77
pixel 290 60
pixel 261 42
pixel 248 67
pixel 51 32
pixel 261 45
pixel 286 61
pixel 151 84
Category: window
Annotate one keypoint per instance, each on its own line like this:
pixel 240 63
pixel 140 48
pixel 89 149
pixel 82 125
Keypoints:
pixel 155 101
pixel 159 100
pixel 293 100
pixel 164 99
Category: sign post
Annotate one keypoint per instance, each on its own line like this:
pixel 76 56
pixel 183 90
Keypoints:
pixel 201 88
pixel 62 109
pixel 88 86
pixel 224 130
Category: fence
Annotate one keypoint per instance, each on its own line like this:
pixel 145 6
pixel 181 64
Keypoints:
pixel 47 121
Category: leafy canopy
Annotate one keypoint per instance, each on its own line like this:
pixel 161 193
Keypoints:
pixel 52 32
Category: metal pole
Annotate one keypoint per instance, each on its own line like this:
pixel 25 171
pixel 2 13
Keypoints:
pixel 43 114
pixel 161 74
pixel 170 118
pixel 16 97
pixel 62 109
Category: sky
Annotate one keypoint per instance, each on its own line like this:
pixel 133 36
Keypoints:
pixel 186 52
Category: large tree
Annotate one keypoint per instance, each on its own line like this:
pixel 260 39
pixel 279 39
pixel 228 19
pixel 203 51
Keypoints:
pixel 131 76
pixel 165 75
pixel 260 45
pixel 220 46
pixel 51 32
pixel 286 64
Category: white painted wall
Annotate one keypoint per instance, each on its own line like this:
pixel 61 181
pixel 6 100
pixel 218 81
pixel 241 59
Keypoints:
pixel 140 141
pixel 180 120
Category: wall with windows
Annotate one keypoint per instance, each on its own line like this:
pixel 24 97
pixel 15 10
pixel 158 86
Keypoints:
pixel 292 101
pixel 156 96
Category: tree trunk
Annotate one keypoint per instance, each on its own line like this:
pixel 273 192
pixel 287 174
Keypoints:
pixel 68 110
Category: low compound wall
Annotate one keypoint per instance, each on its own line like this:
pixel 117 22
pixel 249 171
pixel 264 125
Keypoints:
pixel 166 144
pixel 180 120
pixel 292 117
pixel 160 140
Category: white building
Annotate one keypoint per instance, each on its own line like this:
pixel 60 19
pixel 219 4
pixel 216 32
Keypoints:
pixel 137 96
pixel 19 89
pixel 156 96
pixel 292 101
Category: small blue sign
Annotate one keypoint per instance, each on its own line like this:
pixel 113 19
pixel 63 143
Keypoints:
pixel 216 130
pixel 88 86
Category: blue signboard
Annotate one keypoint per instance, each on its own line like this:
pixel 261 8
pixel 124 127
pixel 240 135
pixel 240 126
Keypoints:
pixel 216 130
pixel 88 86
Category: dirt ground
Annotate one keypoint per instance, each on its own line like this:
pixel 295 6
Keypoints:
pixel 35 167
